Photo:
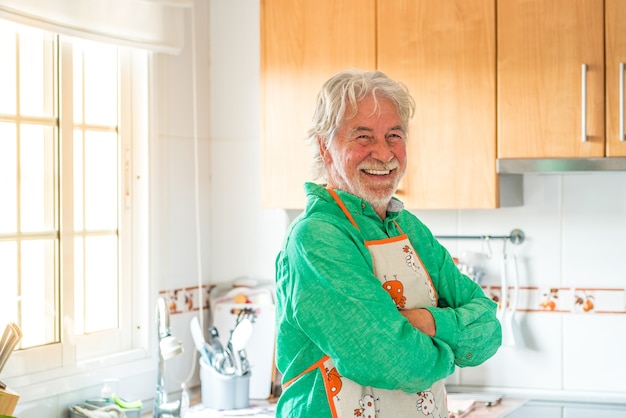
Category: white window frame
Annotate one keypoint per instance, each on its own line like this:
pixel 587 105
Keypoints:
pixel 70 365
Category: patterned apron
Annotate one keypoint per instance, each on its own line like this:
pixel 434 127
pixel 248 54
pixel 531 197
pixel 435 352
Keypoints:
pixel 404 277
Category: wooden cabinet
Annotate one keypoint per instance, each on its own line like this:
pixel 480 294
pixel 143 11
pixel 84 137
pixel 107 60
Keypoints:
pixel 615 38
pixel 551 78
pixel 443 50
pixel 303 43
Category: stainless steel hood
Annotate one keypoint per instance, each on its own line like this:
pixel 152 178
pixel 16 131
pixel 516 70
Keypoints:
pixel 559 165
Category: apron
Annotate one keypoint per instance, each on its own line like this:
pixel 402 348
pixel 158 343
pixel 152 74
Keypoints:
pixel 403 276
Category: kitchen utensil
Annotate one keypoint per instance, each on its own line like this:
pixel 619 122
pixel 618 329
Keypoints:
pixel 238 340
pixel 510 329
pixel 239 337
pixel 514 334
pixel 241 334
pixel 198 339
pixel 10 339
pixel 222 361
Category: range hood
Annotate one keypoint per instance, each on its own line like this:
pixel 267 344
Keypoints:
pixel 559 165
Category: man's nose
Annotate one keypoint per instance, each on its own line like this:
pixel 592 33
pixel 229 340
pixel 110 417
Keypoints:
pixel 382 150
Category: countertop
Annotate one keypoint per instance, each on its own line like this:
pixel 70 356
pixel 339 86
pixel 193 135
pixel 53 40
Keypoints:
pixel 478 405
pixel 266 409
pixel 504 407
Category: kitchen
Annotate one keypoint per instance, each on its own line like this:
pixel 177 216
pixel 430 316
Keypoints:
pixel 573 225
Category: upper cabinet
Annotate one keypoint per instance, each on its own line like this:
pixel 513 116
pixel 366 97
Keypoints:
pixel 551 78
pixel 443 50
pixel 303 43
pixel 615 38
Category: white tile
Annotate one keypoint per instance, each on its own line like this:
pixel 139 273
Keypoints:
pixel 176 216
pixel 594 226
pixel 235 68
pixel 593 352
pixel 539 219
pixel 177 87
pixel 245 238
pixel 534 364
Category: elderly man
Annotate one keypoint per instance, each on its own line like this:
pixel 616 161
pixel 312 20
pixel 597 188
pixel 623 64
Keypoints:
pixel 372 313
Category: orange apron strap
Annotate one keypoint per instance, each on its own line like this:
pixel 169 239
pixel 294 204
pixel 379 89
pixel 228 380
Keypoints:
pixel 423 267
pixel 317 364
pixel 343 207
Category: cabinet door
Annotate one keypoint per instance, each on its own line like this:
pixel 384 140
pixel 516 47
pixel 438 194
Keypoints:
pixel 542 46
pixel 303 43
pixel 445 52
pixel 615 26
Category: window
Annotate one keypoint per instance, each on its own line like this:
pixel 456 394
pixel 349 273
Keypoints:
pixel 73 192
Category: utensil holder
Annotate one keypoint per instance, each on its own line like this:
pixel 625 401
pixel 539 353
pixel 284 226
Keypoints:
pixel 221 391
pixel 8 401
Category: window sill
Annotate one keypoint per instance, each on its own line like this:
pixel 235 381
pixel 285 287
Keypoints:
pixel 55 382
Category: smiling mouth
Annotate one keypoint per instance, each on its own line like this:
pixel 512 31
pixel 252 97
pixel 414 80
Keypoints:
pixel 377 172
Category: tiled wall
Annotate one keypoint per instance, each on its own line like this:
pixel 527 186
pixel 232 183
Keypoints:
pixel 571 311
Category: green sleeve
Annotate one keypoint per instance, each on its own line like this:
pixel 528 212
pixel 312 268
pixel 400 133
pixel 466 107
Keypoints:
pixel 465 318
pixel 329 294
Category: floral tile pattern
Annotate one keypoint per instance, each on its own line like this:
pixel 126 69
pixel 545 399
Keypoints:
pixel 576 300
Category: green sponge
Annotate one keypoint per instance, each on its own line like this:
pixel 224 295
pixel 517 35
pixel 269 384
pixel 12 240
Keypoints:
pixel 124 404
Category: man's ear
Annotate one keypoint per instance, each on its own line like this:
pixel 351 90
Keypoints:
pixel 324 153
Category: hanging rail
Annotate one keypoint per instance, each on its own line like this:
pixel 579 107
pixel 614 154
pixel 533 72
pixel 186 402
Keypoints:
pixel 516 236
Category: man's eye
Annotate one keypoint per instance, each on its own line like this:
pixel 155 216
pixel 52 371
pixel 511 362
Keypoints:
pixel 395 138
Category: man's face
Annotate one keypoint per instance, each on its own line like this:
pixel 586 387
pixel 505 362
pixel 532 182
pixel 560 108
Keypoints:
pixel 367 158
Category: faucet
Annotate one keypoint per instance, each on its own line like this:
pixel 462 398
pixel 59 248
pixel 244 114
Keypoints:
pixel 169 347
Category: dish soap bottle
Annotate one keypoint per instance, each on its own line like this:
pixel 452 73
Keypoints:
pixel 107 392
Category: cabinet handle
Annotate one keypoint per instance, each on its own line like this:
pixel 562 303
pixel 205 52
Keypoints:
pixel 621 101
pixel 584 104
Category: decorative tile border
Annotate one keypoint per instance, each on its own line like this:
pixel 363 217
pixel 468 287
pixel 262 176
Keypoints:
pixel 185 299
pixel 575 300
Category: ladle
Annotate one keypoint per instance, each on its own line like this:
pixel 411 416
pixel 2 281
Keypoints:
pixel 238 340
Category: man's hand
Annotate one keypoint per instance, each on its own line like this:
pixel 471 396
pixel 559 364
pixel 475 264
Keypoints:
pixel 421 319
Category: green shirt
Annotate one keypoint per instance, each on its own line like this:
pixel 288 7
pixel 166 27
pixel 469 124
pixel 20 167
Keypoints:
pixel 330 302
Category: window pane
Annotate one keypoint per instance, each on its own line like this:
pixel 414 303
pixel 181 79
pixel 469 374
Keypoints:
pixel 36 72
pixel 8 84
pixel 97 64
pixel 8 174
pixel 79 286
pixel 101 180
pixel 100 271
pixel 95 181
pixel 36 178
pixel 8 261
pixel 78 82
pixel 37 288
pixel 78 181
